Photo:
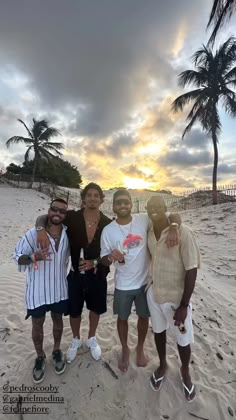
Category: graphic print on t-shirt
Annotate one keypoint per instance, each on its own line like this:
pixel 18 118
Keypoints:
pixel 132 241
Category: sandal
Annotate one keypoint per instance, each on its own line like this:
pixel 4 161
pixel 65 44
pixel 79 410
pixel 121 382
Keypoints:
pixel 190 391
pixel 156 381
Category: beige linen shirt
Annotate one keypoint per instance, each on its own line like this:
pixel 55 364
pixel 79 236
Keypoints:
pixel 169 265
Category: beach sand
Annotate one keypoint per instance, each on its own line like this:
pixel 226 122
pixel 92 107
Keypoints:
pixel 89 389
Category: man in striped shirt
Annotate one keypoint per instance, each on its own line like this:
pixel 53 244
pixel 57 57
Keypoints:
pixel 87 281
pixel 46 284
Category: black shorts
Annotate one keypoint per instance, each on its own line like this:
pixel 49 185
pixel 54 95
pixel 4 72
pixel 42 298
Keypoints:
pixel 57 307
pixel 90 288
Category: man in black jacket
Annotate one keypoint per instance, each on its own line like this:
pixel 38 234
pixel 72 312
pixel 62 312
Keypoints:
pixel 87 279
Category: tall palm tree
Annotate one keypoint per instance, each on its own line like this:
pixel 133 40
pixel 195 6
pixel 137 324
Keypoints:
pixel 214 77
pixel 221 11
pixel 38 142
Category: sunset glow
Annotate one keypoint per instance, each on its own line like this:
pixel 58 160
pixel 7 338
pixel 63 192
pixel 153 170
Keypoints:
pixel 136 183
pixel 106 81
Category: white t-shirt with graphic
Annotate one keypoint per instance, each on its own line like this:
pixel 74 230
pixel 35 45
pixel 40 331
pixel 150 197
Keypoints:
pixel 132 240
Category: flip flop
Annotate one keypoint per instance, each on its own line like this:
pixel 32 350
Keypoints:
pixel 156 381
pixel 189 391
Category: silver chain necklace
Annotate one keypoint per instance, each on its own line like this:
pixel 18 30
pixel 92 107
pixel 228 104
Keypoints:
pixel 122 232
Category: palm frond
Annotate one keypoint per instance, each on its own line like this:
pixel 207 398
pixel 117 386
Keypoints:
pixel 230 75
pixel 194 119
pixel 225 56
pixel 182 100
pixel 28 153
pixel 39 127
pixel 202 57
pixel 214 11
pixel 199 103
pixel 46 154
pixel 53 145
pixel 48 133
pixel 188 77
pixel 221 11
pixel 49 151
pixel 230 105
pixel 28 130
pixel 17 140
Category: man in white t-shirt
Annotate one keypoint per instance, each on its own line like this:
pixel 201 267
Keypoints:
pixel 124 243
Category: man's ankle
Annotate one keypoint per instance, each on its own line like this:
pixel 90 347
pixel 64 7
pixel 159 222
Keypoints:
pixel 125 348
pixel 163 365
pixel 185 370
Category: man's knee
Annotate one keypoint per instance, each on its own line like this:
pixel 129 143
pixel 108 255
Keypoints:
pixel 160 335
pixel 56 317
pixel 123 322
pixel 38 322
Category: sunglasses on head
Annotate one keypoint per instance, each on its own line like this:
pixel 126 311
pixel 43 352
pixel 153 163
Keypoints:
pixel 58 210
pixel 122 201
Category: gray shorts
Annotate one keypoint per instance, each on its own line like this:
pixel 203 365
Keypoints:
pixel 123 300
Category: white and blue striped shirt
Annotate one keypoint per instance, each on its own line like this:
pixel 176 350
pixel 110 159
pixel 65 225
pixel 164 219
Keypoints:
pixel 48 284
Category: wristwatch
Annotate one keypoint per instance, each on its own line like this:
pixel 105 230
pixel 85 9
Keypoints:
pixel 38 228
pixel 95 263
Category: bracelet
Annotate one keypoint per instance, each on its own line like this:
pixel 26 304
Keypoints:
pixel 174 225
pixel 95 263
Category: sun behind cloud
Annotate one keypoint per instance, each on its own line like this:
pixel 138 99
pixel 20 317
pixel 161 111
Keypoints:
pixel 136 183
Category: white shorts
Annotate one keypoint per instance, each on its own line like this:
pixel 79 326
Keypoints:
pixel 162 319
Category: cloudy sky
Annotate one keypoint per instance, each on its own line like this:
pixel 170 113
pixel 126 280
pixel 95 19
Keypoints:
pixel 104 72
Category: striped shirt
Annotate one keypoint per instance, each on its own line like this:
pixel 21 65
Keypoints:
pixel 48 284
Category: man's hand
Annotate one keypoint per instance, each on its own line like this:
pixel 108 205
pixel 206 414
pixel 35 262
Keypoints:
pixel 42 240
pixel 172 237
pixel 43 254
pixel 116 255
pixel 86 265
pixel 180 315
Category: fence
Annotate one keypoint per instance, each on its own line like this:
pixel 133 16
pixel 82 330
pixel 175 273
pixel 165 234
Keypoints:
pixel 175 202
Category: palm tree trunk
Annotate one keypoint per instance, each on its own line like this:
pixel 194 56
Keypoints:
pixel 215 165
pixel 34 170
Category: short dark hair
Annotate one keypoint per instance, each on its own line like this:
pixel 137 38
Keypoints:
pixel 59 200
pixel 91 186
pixel 121 191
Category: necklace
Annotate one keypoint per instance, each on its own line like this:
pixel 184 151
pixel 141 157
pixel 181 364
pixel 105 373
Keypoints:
pixel 54 236
pixel 91 224
pixel 123 233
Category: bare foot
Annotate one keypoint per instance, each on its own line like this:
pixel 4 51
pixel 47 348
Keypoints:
pixel 188 387
pixel 141 359
pixel 124 360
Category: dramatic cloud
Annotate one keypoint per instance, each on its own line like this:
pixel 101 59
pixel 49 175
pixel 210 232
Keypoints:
pixel 184 158
pixel 105 74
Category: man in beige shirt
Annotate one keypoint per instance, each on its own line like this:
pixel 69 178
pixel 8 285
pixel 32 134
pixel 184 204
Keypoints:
pixel 174 272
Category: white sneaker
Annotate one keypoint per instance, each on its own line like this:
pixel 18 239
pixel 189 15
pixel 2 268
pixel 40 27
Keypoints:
pixel 75 345
pixel 94 347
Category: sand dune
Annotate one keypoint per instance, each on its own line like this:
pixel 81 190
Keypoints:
pixel 90 389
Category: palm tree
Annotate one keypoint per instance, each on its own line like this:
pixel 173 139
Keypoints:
pixel 221 11
pixel 38 142
pixel 214 77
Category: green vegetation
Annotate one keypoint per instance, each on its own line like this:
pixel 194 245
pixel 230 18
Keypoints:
pixel 56 171
pixel 38 143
